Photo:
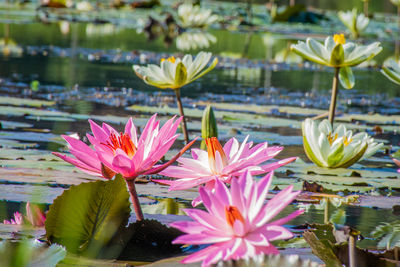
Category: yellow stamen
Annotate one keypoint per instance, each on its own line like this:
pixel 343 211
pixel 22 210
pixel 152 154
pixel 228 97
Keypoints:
pixel 339 39
pixel 232 214
pixel 347 141
pixel 331 138
pixel 170 59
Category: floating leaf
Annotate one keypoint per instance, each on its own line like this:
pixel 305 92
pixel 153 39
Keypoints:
pixel 86 216
pixel 296 242
pixel 271 260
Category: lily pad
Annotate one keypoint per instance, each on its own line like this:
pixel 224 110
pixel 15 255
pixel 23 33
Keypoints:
pixel 85 217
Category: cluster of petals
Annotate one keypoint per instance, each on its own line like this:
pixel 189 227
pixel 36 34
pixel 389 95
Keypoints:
pixel 34 216
pixel 335 52
pixel 391 69
pixel 337 148
pixel 173 73
pixel 124 152
pixel 222 163
pixel 236 222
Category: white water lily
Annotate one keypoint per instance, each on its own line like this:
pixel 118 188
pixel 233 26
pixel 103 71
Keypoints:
pixel 195 40
pixel 337 148
pixel 391 69
pixel 190 16
pixel 337 53
pixel 395 2
pixel 356 23
pixel 173 73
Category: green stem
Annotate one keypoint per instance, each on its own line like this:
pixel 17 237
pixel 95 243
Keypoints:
pixel 352 251
pixel 249 11
pixel 135 199
pixel 366 8
pixel 326 211
pixel 179 101
pixel 332 106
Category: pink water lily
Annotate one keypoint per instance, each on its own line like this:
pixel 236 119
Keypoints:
pixel 17 219
pixel 34 216
pixel 222 163
pixel 237 223
pixel 124 152
pixel 397 163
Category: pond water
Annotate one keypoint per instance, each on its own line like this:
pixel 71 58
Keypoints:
pixel 85 71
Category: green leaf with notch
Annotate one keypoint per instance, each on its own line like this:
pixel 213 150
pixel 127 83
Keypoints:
pixel 86 216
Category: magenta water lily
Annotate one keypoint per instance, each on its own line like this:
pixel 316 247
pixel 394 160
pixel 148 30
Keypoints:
pixel 236 222
pixel 125 153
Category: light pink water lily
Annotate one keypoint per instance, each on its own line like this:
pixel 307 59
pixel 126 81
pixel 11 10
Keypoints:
pixel 34 216
pixel 397 163
pixel 124 152
pixel 237 222
pixel 222 163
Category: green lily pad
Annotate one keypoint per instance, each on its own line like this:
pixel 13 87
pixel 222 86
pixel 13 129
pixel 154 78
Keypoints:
pixel 85 217
pixel 16 101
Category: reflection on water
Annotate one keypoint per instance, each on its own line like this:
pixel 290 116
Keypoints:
pixel 195 40
pixel 69 68
pixel 374 6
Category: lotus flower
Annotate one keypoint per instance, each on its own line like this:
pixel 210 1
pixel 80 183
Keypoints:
pixel 173 73
pixel 190 16
pixel 34 216
pixel 236 223
pixel 338 148
pixel 391 69
pixel 397 163
pixel 124 153
pixel 222 163
pixel 356 23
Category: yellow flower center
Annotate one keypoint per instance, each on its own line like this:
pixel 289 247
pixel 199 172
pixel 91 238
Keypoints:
pixel 332 138
pixel 232 214
pixel 339 39
pixel 170 59
pixel 347 141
